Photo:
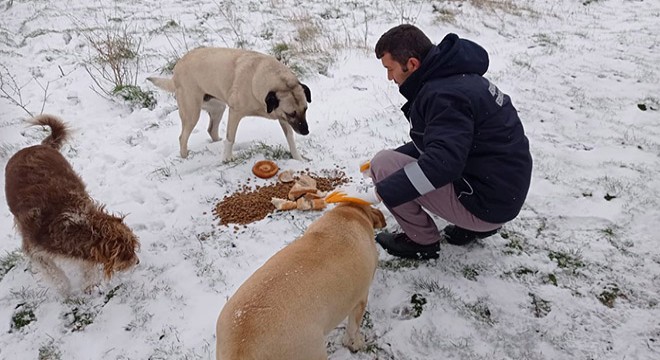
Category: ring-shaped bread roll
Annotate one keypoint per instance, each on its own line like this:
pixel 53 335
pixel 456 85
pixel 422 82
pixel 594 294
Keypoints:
pixel 265 169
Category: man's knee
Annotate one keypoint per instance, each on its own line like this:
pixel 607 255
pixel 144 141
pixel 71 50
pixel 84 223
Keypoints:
pixel 386 162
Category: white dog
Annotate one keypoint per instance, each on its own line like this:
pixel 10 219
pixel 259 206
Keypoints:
pixel 250 83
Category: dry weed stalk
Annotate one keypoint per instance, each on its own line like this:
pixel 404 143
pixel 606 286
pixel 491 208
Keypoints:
pixel 10 90
pixel 116 61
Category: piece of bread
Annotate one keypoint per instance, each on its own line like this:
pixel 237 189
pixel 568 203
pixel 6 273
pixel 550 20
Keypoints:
pixel 303 204
pixel 283 204
pixel 298 190
pixel 307 181
pixel 286 176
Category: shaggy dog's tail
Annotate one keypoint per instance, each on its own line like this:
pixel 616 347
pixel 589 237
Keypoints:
pixel 59 131
pixel 163 83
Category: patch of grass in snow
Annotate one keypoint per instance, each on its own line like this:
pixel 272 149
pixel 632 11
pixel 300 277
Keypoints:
pixel 515 242
pixel 398 264
pixel 80 314
pixel 49 351
pixel 541 307
pixel 444 13
pixel 164 172
pixel 24 312
pixel 480 311
pixel 610 294
pixel 270 152
pixel 23 316
pixel 6 149
pixel 521 272
pixel 135 96
pixel 571 260
pixel 205 266
pixel 470 272
pixel 425 285
pixel 417 301
pixel 9 261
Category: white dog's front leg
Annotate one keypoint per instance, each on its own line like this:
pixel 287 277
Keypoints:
pixel 227 152
pixel 288 133
pixel 232 125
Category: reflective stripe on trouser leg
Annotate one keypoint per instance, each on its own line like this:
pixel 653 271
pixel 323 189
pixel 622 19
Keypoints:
pixel 414 221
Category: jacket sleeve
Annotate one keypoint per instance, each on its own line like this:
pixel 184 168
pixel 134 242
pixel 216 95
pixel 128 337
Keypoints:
pixel 408 149
pixel 448 134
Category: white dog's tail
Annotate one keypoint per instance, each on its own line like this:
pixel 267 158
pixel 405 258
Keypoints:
pixel 163 83
pixel 59 131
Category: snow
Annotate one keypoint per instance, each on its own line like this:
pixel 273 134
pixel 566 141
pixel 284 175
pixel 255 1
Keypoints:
pixel 576 71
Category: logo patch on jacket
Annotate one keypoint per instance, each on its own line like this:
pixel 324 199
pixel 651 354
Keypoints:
pixel 497 94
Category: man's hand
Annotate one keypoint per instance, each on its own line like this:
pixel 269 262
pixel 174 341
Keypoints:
pixel 369 197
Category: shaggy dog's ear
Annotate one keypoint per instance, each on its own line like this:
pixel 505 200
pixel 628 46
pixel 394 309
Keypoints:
pixel 271 102
pixel 308 93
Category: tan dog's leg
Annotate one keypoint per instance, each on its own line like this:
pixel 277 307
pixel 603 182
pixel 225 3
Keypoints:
pixel 52 271
pixel 353 338
pixel 288 133
pixel 190 108
pixel 232 126
pixel 215 109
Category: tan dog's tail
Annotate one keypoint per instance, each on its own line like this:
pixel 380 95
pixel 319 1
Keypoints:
pixel 59 131
pixel 163 83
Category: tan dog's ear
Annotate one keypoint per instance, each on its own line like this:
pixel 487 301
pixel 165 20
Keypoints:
pixel 308 93
pixel 271 102
pixel 377 218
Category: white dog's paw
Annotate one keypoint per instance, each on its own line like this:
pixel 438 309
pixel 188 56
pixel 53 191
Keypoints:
pixel 227 153
pixel 226 158
pixel 184 153
pixel 355 344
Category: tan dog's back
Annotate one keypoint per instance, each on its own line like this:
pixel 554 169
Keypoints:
pixel 285 309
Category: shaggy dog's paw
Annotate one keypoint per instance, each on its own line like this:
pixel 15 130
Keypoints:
pixel 91 289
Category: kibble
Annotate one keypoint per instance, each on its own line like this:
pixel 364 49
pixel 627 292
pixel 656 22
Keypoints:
pixel 249 204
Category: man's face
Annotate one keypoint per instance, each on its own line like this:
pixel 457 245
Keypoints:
pixel 395 71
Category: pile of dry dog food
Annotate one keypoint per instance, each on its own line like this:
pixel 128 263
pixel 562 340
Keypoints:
pixel 252 203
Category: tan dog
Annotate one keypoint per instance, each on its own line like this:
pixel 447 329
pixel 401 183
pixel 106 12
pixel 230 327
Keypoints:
pixel 288 306
pixel 58 219
pixel 250 83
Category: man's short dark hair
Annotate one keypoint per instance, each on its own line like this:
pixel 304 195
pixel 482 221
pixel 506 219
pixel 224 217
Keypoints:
pixel 403 42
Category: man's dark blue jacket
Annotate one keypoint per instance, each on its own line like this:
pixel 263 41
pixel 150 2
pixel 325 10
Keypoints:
pixel 465 131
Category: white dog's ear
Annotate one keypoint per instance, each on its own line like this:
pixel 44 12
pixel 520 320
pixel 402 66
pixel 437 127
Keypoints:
pixel 308 93
pixel 271 101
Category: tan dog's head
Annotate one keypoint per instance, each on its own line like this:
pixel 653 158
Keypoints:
pixel 374 215
pixel 117 250
pixel 377 218
pixel 290 105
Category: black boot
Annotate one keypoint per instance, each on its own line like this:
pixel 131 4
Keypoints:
pixel 400 245
pixel 458 236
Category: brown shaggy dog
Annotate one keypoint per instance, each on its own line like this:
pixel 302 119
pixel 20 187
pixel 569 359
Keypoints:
pixel 58 219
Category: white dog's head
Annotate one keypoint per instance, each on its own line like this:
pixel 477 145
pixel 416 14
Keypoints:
pixel 290 105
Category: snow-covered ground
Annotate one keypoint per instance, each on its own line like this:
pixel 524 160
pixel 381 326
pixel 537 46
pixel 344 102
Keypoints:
pixel 575 276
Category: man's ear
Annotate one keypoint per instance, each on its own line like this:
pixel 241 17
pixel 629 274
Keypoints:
pixel 271 102
pixel 413 64
pixel 308 93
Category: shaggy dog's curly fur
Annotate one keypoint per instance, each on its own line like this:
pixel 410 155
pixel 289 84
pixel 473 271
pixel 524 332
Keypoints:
pixel 56 217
